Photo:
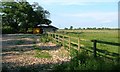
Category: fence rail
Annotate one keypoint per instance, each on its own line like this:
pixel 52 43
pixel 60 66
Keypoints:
pixel 64 38
pixel 103 42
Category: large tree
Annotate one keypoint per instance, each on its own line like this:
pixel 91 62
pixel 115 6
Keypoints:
pixel 41 14
pixel 21 15
pixel 9 16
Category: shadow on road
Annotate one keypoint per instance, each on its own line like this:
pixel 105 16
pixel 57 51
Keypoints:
pixel 15 44
pixel 48 67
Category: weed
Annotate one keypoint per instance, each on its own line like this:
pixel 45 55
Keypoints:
pixel 88 62
pixel 42 54
pixel 44 38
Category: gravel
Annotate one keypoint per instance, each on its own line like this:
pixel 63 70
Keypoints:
pixel 14 60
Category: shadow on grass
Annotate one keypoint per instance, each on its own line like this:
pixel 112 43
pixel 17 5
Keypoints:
pixel 102 53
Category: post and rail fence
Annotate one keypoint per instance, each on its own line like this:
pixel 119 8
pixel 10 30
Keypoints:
pixel 102 42
pixel 64 38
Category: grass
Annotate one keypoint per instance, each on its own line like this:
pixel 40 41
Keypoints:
pixel 88 35
pixel 111 35
pixel 41 53
pixel 83 61
pixel 44 38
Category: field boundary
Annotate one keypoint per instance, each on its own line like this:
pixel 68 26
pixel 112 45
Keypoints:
pixel 102 42
pixel 66 41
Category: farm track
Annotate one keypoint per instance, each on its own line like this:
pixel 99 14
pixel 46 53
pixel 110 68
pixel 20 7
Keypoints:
pixel 18 53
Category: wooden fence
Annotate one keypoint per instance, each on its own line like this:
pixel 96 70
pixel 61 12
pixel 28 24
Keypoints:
pixel 102 42
pixel 60 38
pixel 66 41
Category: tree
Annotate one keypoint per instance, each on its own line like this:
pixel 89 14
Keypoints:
pixel 27 16
pixel 41 14
pixel 21 15
pixel 66 28
pixel 79 28
pixel 83 28
pixel 71 27
pixel 46 21
pixel 10 14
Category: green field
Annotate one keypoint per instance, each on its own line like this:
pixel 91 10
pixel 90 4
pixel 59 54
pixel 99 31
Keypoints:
pixel 107 55
pixel 102 35
pixel 84 59
pixel 106 35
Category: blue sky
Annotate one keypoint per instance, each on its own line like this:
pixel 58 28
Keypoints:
pixel 81 13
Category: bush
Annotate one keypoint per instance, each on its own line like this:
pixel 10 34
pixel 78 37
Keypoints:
pixel 7 31
pixel 44 38
pixel 83 61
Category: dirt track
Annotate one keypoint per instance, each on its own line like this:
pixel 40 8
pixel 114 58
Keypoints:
pixel 18 53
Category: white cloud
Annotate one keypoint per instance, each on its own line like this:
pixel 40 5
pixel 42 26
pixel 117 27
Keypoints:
pixel 102 17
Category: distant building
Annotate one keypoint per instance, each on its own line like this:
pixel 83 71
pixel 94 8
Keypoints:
pixel 44 28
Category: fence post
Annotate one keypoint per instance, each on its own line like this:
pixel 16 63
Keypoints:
pixel 63 41
pixel 94 47
pixel 78 44
pixel 55 37
pixel 69 42
pixel 58 38
pixel 51 35
pixel 48 35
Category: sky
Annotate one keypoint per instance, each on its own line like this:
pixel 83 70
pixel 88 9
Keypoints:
pixel 81 13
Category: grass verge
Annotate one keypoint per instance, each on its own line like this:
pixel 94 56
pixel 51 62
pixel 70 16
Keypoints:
pixel 83 61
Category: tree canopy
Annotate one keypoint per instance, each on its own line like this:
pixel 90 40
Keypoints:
pixel 19 16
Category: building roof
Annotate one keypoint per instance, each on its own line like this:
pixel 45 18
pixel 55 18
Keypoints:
pixel 46 26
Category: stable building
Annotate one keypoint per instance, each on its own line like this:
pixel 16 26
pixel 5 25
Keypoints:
pixel 40 29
